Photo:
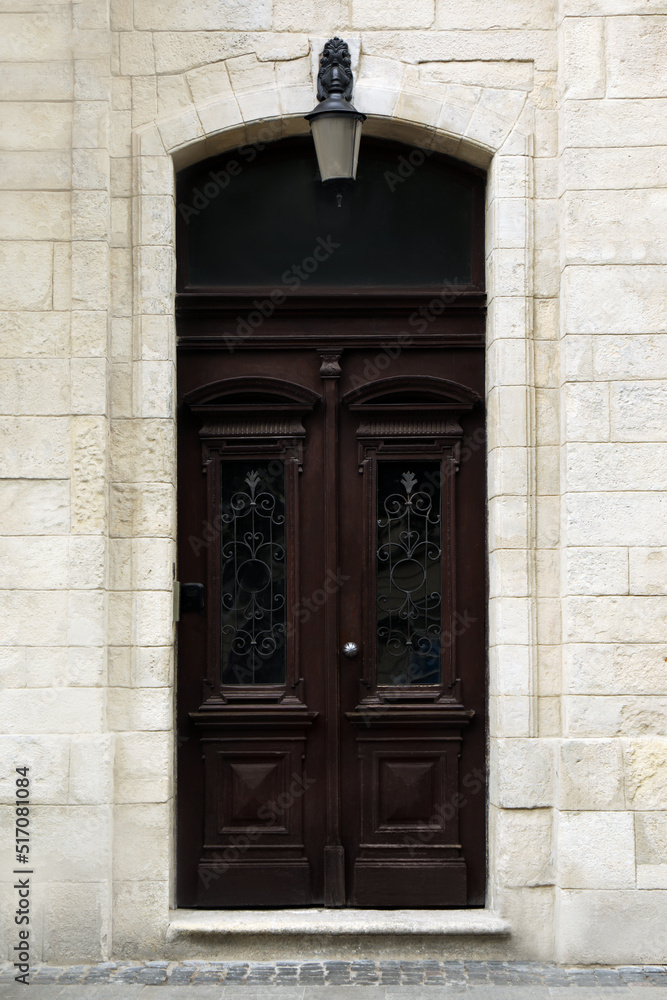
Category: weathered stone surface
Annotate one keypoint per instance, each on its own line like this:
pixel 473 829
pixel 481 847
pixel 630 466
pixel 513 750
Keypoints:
pixel 600 668
pixel 590 775
pixel 522 773
pixel 596 850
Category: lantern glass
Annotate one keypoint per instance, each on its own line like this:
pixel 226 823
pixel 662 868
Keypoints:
pixel 336 139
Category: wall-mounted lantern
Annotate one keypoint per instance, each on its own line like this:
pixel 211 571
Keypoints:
pixel 335 124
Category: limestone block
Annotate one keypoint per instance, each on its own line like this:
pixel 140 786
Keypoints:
pixel 156 219
pixel 90 168
pixel 616 669
pixel 615 619
pixel 33 563
pixel 120 391
pixel 616 466
pixel 625 168
pixel 156 175
pixel 88 473
pixel 37 81
pixel 507 417
pixel 147 827
pixel 531 912
pixel 509 716
pixel 522 773
pixel 156 268
pixel 207 83
pixel 508 573
pixel 26 275
pixel 91 770
pixel 591 775
pixel 596 850
pixel 420 14
pixel 121 93
pixel 546 272
pixel 87 562
pixel 465 45
pixel 30 334
pixel 476 73
pixel 91 75
pixel 545 177
pixel 34 387
pixel 39 36
pixel 510 670
pixel 90 269
pixel 636 56
pixel 89 334
pixel 144 101
pixel 615 227
pixel 66 710
pixel 577 357
pixel 36 126
pixel 220 115
pixel 140 915
pixel 507 472
pixel 76 924
pixel 507 359
pixel 34 447
pixel 548 716
pixel 121 337
pixel 146 710
pixel 142 509
pixel 651 876
pixel 143 767
pixel 34 507
pixel 53 667
pixel 154 618
pixel 120 563
pixel 153 560
pixel 158 338
pixel 646 773
pixel 648 571
pixel 90 125
pixel 583 57
pixel 86 618
pixel 120 666
pixel 35 170
pixel 153 666
pixel 600 123
pixel 548 621
pixel 142 450
pixel 508 524
pixel 120 176
pixel 89 385
pixel 613 716
pixel 48 760
pixel 638 411
pixel 586 407
pixel 547 573
pixel 120 133
pixel 62 276
pixel 614 927
pixel 615 299
pixel 121 280
pixel 547 413
pixel 524 848
pixel 507 272
pixel 451 15
pixel 596 571
pixel 546 362
pixel 90 215
pixel 121 15
pixel 548 470
pixel 547 521
pixel 136 53
pixel 630 357
pixel 506 318
pixel 651 838
pixel 293 15
pixel 120 618
pixel 616 519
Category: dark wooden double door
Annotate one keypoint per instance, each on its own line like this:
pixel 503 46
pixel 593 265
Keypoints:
pixel 331 713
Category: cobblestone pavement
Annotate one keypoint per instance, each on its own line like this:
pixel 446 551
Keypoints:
pixel 333 980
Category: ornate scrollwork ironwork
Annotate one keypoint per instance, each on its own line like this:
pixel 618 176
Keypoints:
pixel 409 589
pixel 253 598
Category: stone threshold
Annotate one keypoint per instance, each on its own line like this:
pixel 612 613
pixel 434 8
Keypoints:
pixel 184 924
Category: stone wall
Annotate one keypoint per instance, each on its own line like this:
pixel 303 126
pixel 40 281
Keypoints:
pixel 565 105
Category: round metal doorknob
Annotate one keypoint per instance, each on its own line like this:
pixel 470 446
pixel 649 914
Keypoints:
pixel 350 649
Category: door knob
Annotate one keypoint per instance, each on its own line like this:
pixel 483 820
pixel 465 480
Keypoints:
pixel 350 649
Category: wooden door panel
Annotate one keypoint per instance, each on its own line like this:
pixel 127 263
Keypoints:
pixel 310 778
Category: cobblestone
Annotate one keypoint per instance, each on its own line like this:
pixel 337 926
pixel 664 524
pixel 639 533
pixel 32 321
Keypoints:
pixel 469 976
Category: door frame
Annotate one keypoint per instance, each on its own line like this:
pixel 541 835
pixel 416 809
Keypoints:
pixel 493 140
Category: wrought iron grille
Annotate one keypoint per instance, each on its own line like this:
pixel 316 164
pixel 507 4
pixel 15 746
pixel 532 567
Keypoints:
pixel 253 569
pixel 409 574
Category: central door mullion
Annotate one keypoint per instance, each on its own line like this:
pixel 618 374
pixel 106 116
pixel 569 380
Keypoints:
pixel 334 857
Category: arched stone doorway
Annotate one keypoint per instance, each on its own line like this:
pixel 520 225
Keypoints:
pixel 331 491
